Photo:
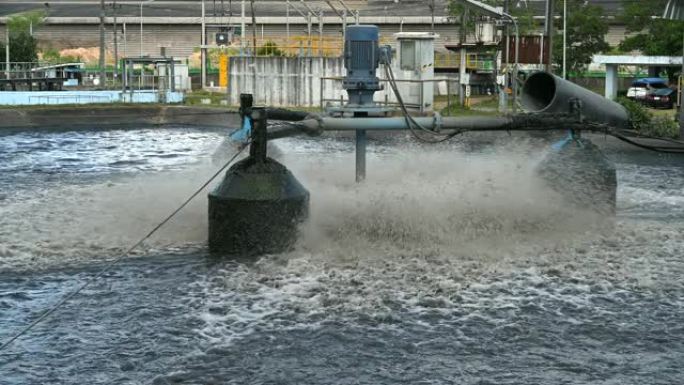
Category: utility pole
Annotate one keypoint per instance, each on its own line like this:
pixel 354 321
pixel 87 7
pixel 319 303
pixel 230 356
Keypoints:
pixel 462 73
pixel 320 34
pixel 344 25
pixel 7 50
pixel 565 37
pixel 242 26
pixel 432 11
pixel 503 99
pixel 506 33
pixel 549 32
pixel 309 28
pixel 673 11
pixel 103 75
pixel 681 96
pixel 116 43
pixel 125 40
pixel 254 27
pixel 254 52
pixel 203 50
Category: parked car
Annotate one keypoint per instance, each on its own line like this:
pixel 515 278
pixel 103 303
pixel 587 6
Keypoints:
pixel 642 87
pixel 662 98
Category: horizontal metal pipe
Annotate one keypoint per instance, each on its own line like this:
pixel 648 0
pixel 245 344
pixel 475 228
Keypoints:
pixel 398 123
pixel 521 122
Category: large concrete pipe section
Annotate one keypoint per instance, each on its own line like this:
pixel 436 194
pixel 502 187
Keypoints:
pixel 547 93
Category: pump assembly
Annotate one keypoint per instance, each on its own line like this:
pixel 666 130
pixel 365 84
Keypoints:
pixel 259 205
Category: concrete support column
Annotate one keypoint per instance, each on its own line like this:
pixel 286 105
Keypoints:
pixel 611 81
pixel 462 75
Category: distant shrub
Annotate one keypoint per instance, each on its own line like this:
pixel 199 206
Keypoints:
pixel 53 56
pixel 663 127
pixel 645 123
pixel 269 48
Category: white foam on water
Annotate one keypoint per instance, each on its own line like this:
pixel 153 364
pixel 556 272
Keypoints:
pixel 75 222
pixel 431 231
pixel 439 232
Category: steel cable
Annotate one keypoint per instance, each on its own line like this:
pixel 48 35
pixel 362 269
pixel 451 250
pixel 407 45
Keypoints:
pixel 111 264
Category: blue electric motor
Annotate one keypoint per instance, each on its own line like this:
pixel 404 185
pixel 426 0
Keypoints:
pixel 362 55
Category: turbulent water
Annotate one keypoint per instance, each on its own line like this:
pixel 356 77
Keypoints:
pixel 447 266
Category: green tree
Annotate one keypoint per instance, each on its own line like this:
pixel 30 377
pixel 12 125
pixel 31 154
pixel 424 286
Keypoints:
pixel 23 46
pixel 586 28
pixel 650 34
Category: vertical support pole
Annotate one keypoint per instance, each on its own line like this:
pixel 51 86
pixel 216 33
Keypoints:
pixel 462 76
pixel 507 48
pixel 320 34
pixel 432 15
pixel 344 25
pixel 360 155
pixel 173 75
pixel 565 36
pixel 254 51
pixel 257 150
pixel 287 22
pixel 515 67
pixel 681 100
pixel 448 84
pixel 242 25
pixel 116 43
pixel 7 50
pixel 422 96
pixel 125 42
pixel 322 82
pixel 548 30
pixel 309 27
pixel 203 50
pixel 124 80
pixel 141 29
pixel 103 76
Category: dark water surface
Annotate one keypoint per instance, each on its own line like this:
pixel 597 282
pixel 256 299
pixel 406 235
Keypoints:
pixel 444 268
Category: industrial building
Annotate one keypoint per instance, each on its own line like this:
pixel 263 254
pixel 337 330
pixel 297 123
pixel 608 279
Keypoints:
pixel 176 24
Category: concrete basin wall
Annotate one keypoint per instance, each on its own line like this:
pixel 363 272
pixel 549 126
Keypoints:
pixel 26 98
pixel 115 116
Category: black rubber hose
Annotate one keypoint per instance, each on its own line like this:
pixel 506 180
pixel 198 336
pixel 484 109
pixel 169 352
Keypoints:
pixel 286 115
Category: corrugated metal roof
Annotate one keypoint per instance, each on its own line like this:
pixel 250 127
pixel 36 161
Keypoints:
pixel 674 10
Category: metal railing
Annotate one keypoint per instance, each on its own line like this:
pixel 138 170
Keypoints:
pixel 295 49
pixel 474 61
pixel 152 82
pixel 20 70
